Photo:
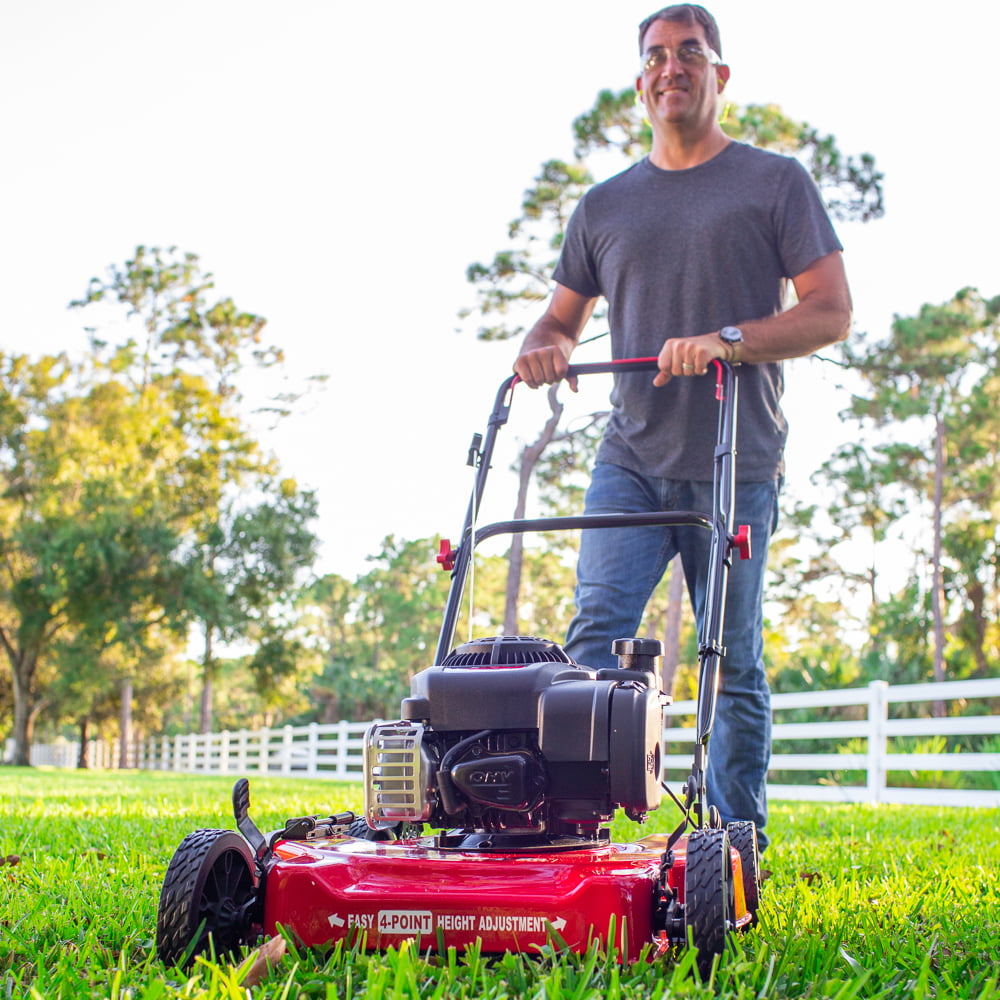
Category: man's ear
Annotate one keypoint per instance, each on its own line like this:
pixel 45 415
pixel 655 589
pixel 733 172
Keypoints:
pixel 722 74
pixel 638 91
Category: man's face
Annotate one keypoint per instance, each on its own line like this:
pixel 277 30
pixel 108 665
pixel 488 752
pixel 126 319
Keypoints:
pixel 677 91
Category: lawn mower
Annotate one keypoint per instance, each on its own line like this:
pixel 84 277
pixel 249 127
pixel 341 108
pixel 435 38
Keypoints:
pixel 487 803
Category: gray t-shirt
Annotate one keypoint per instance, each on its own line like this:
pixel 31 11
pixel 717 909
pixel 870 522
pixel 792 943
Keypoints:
pixel 686 252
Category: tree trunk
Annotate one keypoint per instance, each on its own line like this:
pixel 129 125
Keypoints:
pixel 672 626
pixel 125 724
pixel 83 757
pixel 526 468
pixel 937 586
pixel 976 594
pixel 512 593
pixel 208 666
pixel 871 577
pixel 22 677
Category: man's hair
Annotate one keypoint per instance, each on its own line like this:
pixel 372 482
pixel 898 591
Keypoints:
pixel 686 13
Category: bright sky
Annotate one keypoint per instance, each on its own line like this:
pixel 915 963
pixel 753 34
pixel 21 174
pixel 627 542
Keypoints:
pixel 337 166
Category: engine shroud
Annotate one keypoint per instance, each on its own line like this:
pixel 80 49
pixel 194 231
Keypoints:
pixel 509 736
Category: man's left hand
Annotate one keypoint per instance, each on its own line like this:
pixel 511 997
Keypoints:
pixel 688 356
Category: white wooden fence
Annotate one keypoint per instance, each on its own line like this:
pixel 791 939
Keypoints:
pixel 881 759
pixel 335 751
pixel 313 751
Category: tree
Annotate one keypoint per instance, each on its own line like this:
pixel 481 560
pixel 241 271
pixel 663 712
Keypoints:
pixel 932 390
pixel 82 539
pixel 242 573
pixel 111 689
pixel 378 631
pixel 117 467
pixel 243 560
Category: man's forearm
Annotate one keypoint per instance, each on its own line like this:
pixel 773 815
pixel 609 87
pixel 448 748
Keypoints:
pixel 800 331
pixel 821 317
pixel 545 353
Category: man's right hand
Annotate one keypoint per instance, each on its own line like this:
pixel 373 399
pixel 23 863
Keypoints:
pixel 545 353
pixel 543 366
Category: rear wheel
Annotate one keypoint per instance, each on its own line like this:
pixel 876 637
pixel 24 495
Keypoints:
pixel 743 836
pixel 708 894
pixel 360 830
pixel 207 898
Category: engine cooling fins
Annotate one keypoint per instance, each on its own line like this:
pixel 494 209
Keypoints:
pixel 506 651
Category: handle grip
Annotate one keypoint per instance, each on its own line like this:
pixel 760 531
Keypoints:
pixel 609 367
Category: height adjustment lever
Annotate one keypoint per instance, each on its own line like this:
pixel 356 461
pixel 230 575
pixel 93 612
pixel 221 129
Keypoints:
pixel 246 826
pixel 446 555
pixel 741 541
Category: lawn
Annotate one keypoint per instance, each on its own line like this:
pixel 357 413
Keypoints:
pixel 861 902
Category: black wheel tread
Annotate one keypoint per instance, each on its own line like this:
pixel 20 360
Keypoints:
pixel 178 916
pixel 743 836
pixel 707 877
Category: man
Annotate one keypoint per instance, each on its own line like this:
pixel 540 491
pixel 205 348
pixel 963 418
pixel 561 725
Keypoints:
pixel 693 248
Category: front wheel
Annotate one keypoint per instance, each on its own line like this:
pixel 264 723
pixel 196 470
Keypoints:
pixel 708 894
pixel 207 899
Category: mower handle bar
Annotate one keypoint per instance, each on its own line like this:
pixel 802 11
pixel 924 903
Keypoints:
pixel 720 523
pixel 610 367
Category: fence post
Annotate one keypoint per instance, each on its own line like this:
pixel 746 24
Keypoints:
pixel 241 751
pixel 878 716
pixel 264 757
pixel 313 744
pixel 343 751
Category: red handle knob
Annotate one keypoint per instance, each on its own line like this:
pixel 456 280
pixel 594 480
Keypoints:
pixel 446 555
pixel 741 541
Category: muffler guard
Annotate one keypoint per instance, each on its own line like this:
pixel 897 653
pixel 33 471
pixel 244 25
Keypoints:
pixel 397 774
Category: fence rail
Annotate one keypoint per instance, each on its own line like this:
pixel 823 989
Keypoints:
pixel 881 761
pixel 335 751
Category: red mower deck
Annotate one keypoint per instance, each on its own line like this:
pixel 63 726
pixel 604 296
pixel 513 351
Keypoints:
pixel 384 893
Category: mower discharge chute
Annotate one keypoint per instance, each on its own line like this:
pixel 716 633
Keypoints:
pixel 519 758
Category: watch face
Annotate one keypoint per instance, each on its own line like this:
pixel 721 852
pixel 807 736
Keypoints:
pixel 731 334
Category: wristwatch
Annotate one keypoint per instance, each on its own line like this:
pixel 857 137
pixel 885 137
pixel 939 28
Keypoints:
pixel 733 336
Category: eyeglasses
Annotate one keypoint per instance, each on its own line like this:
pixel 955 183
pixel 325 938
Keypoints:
pixel 687 55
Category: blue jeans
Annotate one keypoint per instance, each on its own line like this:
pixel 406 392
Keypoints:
pixel 616 574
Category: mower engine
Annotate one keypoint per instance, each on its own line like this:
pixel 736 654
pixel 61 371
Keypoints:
pixel 515 744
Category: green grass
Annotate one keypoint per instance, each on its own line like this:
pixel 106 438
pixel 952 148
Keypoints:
pixel 862 902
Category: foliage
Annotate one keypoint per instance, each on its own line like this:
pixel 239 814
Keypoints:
pixel 84 520
pixel 243 572
pixel 376 633
pixel 862 902
pixel 119 470
pixel 929 393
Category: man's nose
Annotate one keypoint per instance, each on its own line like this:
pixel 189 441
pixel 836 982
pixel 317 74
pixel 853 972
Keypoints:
pixel 672 66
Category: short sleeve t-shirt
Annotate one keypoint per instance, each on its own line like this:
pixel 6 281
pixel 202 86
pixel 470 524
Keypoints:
pixel 686 252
